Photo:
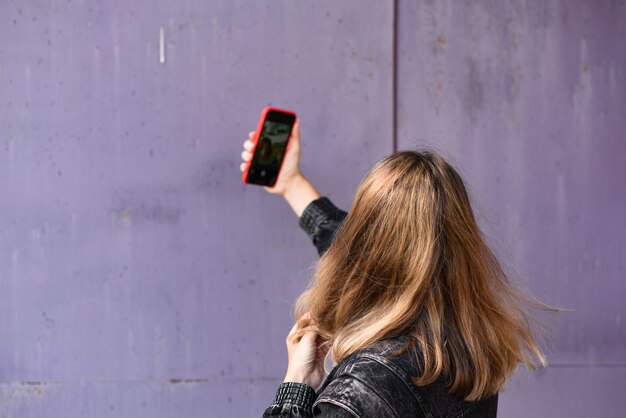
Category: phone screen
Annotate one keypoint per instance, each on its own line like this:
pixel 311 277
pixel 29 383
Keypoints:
pixel 270 148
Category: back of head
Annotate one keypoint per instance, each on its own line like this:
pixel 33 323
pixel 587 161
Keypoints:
pixel 410 259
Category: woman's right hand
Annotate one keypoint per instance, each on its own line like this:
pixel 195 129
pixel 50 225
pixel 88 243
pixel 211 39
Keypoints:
pixel 290 170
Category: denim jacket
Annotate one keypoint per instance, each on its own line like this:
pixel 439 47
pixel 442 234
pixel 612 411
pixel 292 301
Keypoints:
pixel 371 382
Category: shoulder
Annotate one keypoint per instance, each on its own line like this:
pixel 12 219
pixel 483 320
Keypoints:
pixel 367 384
pixel 377 381
pixel 404 359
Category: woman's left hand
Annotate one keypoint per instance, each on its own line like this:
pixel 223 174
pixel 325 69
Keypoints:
pixel 306 353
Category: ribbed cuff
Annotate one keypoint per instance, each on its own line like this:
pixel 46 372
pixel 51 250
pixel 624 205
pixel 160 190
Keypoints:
pixel 317 210
pixel 299 394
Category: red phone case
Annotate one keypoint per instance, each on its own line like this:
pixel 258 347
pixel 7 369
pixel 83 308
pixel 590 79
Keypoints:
pixel 257 133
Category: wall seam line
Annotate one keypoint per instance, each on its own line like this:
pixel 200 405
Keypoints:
pixel 394 79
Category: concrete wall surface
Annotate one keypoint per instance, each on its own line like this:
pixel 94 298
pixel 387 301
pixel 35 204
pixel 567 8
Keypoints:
pixel 529 100
pixel 140 278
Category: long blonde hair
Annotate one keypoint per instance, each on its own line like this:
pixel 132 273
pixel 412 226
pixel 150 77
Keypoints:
pixel 410 259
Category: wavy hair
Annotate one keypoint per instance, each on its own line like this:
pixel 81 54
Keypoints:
pixel 410 259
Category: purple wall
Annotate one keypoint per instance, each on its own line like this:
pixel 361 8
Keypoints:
pixel 139 278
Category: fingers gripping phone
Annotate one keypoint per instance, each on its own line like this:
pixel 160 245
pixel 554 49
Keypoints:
pixel 270 145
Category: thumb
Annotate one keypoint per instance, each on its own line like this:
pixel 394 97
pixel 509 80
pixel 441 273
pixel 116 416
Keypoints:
pixel 310 337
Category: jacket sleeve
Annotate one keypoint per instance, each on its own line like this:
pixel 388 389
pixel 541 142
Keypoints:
pixel 295 400
pixel 320 220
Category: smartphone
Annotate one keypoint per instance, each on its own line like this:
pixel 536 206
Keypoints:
pixel 271 139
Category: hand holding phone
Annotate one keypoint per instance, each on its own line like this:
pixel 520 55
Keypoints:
pixel 270 142
pixel 291 183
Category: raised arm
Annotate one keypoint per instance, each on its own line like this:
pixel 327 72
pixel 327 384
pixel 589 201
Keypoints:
pixel 321 220
pixel 317 215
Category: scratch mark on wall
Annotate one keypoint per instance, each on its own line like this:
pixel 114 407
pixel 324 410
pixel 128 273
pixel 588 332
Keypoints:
pixel 162 45
pixel 165 381
pixel 176 381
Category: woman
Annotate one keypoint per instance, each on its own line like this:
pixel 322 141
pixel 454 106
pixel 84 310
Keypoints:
pixel 410 302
